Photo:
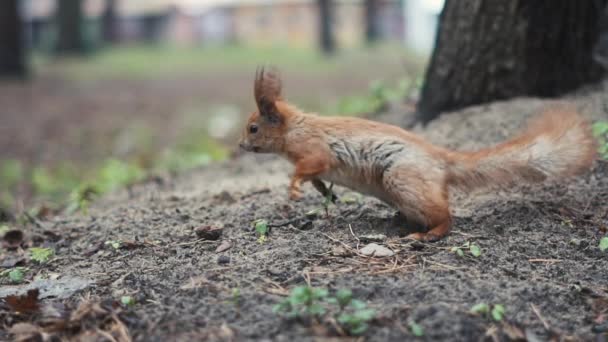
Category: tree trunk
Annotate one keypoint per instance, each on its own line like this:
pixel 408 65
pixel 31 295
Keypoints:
pixel 12 50
pixel 326 37
pixel 488 50
pixel 69 20
pixel 372 32
pixel 109 22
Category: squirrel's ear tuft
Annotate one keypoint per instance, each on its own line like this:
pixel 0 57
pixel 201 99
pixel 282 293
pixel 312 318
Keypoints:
pixel 267 90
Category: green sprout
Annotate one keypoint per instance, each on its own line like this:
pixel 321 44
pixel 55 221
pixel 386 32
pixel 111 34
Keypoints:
pixel 261 227
pixel 306 302
pixel 604 244
pixel 497 311
pixel 474 250
pixel 41 255
pixel 416 329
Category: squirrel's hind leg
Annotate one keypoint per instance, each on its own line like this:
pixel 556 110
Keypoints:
pixel 421 200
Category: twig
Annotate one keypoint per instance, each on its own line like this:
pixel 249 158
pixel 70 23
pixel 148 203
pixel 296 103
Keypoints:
pixel 393 269
pixel 545 260
pixel 441 265
pixel 191 242
pixel 355 236
pixel 540 317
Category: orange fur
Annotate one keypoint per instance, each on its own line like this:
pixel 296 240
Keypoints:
pixel 402 169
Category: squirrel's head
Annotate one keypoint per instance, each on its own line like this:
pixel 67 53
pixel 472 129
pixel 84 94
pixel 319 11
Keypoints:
pixel 266 127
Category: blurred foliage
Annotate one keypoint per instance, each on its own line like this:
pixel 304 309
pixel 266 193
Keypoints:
pixel 74 186
pixel 378 97
pixel 160 60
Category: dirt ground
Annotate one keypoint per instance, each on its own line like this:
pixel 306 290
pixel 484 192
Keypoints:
pixel 540 255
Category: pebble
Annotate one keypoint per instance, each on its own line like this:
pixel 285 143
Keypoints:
pixel 376 250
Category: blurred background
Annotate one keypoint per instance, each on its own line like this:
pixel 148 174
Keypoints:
pixel 99 94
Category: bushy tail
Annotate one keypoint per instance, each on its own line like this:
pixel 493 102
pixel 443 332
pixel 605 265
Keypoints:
pixel 559 143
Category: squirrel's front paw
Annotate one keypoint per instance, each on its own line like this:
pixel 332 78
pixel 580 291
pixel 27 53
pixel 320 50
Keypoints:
pixel 295 194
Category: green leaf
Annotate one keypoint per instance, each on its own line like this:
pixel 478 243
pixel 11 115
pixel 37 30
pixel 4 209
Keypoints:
pixel 458 251
pixel 114 243
pixel 358 329
pixel 261 227
pixel 332 300
pixel 365 315
pixel 16 275
pixel 319 293
pixel 127 300
pixel 316 309
pixel 604 244
pixel 344 296
pixel 416 329
pixel 41 255
pixel 600 128
pixel 481 308
pixel 300 295
pixel 358 304
pixel 475 250
pixel 498 312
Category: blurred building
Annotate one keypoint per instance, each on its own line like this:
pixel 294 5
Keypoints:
pixel 259 22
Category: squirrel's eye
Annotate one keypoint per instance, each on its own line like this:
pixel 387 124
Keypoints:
pixel 253 129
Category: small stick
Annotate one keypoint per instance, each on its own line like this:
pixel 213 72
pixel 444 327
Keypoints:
pixel 540 317
pixel 353 234
pixel 545 260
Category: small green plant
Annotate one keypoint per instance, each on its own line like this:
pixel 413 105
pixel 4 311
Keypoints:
pixel 127 300
pixel 236 296
pixel 116 244
pixel 497 311
pixel 600 131
pixel 416 329
pixel 261 227
pixel 81 198
pixel 41 255
pixel 304 301
pixel 15 275
pixel 116 173
pixel 604 244
pixel 308 302
pixel 473 249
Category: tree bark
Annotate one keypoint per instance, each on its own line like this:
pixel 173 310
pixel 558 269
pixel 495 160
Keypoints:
pixel 69 20
pixel 372 32
pixel 488 50
pixel 326 36
pixel 12 50
pixel 109 22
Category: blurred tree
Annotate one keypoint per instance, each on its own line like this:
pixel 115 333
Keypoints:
pixel 326 35
pixel 494 49
pixel 12 50
pixel 371 21
pixel 69 20
pixel 109 22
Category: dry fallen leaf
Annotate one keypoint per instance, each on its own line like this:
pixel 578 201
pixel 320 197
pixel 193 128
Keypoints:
pixel 224 246
pixel 27 303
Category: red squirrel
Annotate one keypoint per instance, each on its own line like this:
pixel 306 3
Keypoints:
pixel 401 168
